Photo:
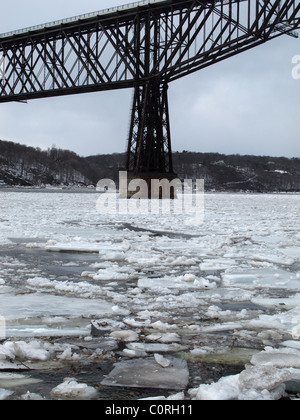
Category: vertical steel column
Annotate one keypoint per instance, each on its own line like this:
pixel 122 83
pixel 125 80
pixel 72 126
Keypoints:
pixel 149 154
pixel 149 143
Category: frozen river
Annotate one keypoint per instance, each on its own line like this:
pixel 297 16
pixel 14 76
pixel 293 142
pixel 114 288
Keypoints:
pixel 199 302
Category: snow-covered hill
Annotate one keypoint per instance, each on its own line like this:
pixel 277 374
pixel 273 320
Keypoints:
pixel 22 165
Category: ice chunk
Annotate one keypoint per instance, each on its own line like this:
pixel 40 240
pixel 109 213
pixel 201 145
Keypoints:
pixel 285 321
pixel 71 389
pixel 292 344
pixel 77 246
pixel 147 373
pixel 291 251
pixel 28 315
pixel 68 355
pixel 181 282
pixel 30 351
pixel 161 283
pixel 4 393
pixel 264 395
pixel 156 347
pixel 136 324
pixel 108 274
pixel 174 397
pixel 120 311
pixel 10 380
pixel 40 282
pixel 268 336
pixel 31 396
pixel 239 279
pixel 189 278
pixel 217 264
pixel 271 278
pixel 225 326
pixel 21 350
pixel 281 358
pixel 37 304
pixel 161 360
pixel 295 374
pixel 227 388
pixel 163 326
pixel 125 335
pixel 100 327
pixel 257 383
pixel 164 337
pixel 4 365
pixel 112 256
pixel 283 303
pixel 274 259
pixel 134 353
pixel 262 377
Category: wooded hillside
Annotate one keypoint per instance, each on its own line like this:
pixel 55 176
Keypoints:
pixel 28 166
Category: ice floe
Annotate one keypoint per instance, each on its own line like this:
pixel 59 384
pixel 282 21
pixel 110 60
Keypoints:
pixel 147 373
pixel 150 291
pixel 71 389
pixel 263 383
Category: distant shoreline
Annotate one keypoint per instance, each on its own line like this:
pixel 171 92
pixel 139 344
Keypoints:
pixel 85 190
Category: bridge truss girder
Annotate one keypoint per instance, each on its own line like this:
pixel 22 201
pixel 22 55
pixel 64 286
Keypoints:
pixel 145 48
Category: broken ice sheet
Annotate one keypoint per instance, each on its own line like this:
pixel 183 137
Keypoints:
pixel 10 380
pixel 156 347
pixel 281 358
pixel 147 373
pixel 37 304
pixel 4 393
pixel 271 278
pixel 25 314
pixel 217 264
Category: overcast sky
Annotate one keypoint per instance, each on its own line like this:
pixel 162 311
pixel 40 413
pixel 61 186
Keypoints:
pixel 249 104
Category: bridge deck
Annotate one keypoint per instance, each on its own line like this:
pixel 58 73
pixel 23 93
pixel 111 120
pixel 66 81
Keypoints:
pixel 76 19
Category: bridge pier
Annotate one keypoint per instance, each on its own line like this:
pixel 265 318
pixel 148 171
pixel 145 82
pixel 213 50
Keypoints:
pixel 148 186
pixel 149 153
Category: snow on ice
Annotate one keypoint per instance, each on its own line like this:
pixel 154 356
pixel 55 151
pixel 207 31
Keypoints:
pixel 71 389
pixel 152 292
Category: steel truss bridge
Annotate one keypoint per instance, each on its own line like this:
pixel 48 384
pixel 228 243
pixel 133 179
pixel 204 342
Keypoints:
pixel 144 46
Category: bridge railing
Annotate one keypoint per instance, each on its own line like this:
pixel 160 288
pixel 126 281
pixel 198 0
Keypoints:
pixel 54 23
